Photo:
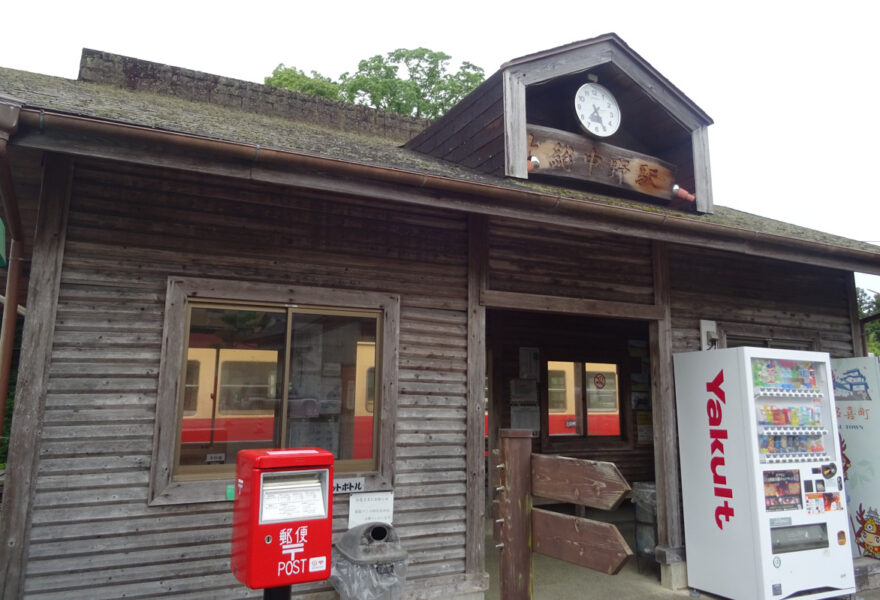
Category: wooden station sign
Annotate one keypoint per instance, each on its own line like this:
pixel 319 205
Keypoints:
pixel 590 483
pixel 584 542
pixel 565 154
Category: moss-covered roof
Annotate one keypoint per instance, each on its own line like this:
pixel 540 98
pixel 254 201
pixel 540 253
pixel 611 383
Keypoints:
pixel 334 137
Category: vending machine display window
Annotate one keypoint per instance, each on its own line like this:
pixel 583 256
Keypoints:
pixel 782 490
pixel 789 401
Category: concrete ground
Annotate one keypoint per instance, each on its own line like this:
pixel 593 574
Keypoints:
pixel 558 580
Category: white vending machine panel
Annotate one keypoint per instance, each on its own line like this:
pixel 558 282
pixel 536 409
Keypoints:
pixel 762 478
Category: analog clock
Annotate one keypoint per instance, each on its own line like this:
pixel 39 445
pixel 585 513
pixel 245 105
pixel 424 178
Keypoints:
pixel 597 110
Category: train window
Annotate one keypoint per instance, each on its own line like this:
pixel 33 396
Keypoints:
pixel 603 402
pixel 577 388
pixel 247 386
pixel 191 388
pixel 556 390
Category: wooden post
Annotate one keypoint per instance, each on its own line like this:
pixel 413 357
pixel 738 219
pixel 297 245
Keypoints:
pixel 476 377
pixel 33 374
pixel 514 507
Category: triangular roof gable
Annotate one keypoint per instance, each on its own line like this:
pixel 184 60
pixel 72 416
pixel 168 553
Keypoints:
pixel 490 129
pixel 608 48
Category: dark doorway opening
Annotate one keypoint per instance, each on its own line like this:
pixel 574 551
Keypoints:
pixel 581 384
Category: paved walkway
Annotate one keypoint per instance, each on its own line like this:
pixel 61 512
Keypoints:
pixel 558 580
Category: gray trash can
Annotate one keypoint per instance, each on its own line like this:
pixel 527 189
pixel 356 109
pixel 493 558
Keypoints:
pixel 369 563
pixel 644 495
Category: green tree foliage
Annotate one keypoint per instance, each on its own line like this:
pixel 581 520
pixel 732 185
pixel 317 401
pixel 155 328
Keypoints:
pixel 411 82
pixel 869 304
pixel 292 78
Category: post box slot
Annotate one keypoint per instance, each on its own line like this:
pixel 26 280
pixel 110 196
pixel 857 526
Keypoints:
pixel 293 496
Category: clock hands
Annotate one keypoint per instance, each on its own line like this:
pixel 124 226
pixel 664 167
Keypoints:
pixel 595 117
pixel 604 118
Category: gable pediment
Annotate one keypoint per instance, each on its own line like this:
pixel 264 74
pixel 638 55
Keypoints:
pixel 522 123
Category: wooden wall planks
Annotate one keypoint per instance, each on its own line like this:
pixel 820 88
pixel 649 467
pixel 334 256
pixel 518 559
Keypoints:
pixel 93 534
pixel 759 295
pixel 554 261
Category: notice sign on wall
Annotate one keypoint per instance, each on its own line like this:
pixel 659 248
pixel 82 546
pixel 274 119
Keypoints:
pixel 370 506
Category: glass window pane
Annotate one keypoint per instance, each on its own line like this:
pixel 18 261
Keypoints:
pixel 603 409
pixel 232 388
pixel 191 388
pixel 563 413
pixel 333 384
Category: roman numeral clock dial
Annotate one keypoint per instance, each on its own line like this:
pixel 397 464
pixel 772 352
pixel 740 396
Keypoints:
pixel 597 110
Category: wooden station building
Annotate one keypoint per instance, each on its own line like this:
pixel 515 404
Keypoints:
pixel 209 264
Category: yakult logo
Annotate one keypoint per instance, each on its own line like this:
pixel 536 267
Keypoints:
pixel 717 435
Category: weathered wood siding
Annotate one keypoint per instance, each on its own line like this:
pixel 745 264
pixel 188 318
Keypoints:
pixel 757 292
pixel 93 535
pixel 556 261
pixel 471 133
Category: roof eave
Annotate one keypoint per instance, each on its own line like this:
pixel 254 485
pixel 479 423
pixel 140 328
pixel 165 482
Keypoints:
pixel 684 229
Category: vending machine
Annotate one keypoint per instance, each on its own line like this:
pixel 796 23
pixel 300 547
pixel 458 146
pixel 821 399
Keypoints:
pixel 856 388
pixel 762 476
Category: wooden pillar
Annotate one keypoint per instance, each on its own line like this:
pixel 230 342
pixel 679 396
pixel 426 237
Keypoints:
pixel 515 507
pixel 476 404
pixel 670 523
pixel 33 375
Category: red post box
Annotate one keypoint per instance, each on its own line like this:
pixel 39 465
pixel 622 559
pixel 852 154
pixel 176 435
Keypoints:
pixel 281 526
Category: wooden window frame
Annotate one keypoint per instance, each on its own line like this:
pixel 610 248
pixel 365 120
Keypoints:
pixel 163 488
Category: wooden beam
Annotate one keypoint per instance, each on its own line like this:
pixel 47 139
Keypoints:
pixel 577 306
pixel 702 170
pixel 592 483
pixel 583 542
pixel 515 151
pixel 476 405
pixel 33 374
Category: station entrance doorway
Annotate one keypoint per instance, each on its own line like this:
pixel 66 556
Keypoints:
pixel 582 385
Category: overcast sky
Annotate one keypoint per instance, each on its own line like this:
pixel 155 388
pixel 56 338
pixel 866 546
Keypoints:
pixel 791 85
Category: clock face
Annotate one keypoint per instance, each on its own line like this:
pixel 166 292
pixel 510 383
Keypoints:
pixel 597 110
